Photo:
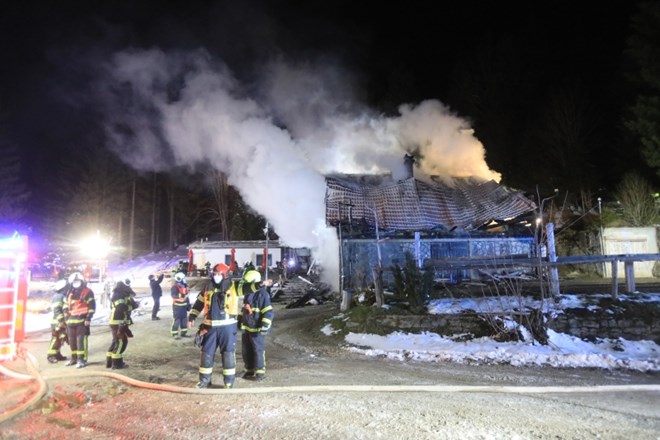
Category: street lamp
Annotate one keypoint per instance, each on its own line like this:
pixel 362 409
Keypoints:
pixel 266 256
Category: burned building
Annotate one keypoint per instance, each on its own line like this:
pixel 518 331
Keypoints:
pixel 380 219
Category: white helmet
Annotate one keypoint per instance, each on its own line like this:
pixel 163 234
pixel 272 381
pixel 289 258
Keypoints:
pixel 76 276
pixel 179 277
pixel 59 285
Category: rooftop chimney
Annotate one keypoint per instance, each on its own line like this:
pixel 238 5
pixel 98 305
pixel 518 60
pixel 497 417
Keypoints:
pixel 408 161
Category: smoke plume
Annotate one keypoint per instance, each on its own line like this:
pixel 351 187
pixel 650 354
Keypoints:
pixel 277 139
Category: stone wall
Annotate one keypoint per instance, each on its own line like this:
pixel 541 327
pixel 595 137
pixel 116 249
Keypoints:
pixel 582 323
pixel 586 324
pixel 449 324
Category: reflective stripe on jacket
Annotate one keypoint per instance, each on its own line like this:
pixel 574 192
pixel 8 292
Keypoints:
pixel 257 312
pixel 180 296
pixel 218 304
pixel 122 304
pixel 57 305
pixel 79 306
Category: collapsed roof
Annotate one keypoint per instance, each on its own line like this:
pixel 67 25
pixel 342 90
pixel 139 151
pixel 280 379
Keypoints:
pixel 414 205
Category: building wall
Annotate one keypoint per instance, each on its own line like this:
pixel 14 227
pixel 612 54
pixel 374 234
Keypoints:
pixel 617 241
pixel 359 256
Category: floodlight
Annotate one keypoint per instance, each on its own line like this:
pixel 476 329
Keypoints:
pixel 95 247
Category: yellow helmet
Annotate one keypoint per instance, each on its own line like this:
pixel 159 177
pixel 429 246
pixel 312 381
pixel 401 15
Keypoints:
pixel 252 276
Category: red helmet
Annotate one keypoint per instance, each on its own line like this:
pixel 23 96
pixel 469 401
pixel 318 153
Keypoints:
pixel 221 269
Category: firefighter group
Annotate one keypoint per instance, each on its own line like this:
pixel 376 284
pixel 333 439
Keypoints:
pixel 218 305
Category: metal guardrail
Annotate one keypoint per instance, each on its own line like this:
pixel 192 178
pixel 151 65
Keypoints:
pixel 478 263
pixel 502 262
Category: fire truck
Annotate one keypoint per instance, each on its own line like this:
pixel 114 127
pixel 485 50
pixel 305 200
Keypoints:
pixel 13 294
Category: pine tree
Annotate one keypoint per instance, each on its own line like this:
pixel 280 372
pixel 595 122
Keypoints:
pixel 94 194
pixel 644 51
pixel 13 191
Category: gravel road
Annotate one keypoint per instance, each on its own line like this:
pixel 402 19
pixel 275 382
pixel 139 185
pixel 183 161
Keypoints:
pixel 317 389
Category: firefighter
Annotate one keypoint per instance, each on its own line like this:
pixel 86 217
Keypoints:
pixel 57 324
pixel 219 305
pixel 78 309
pixel 156 293
pixel 180 306
pixel 121 305
pixel 256 321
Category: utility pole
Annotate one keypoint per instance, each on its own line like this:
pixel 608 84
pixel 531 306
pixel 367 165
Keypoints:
pixel 601 239
pixel 378 270
pixel 153 215
pixel 170 199
pixel 132 223
pixel 346 297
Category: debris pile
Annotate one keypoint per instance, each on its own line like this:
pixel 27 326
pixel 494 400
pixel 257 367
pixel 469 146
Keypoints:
pixel 301 291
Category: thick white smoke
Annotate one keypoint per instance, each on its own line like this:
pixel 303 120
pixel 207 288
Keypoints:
pixel 277 143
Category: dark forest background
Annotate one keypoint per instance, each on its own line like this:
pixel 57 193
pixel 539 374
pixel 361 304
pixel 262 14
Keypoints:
pixel 565 99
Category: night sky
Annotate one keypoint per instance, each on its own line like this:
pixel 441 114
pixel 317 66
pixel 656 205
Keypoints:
pixel 406 52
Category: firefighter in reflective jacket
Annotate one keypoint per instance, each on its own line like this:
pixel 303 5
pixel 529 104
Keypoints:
pixel 180 306
pixel 256 321
pixel 57 324
pixel 218 305
pixel 121 305
pixel 78 310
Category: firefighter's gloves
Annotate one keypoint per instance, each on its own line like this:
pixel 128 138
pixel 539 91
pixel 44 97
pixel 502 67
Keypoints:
pixel 199 336
pixel 124 331
pixel 198 341
pixel 191 320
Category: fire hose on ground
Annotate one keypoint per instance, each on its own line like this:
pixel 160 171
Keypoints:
pixel 43 387
pixel 41 391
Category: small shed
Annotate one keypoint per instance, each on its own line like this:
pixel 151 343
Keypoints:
pixel 240 252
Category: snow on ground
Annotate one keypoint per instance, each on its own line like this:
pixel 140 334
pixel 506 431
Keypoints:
pixel 562 351
pixel 139 269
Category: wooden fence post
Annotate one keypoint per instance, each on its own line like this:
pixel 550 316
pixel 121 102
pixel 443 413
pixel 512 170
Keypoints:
pixel 346 298
pixel 615 278
pixel 378 285
pixel 552 257
pixel 629 269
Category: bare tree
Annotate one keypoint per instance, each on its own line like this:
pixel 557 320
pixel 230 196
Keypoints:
pixel 222 202
pixel 635 195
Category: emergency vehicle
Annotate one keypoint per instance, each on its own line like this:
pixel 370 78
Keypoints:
pixel 14 277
